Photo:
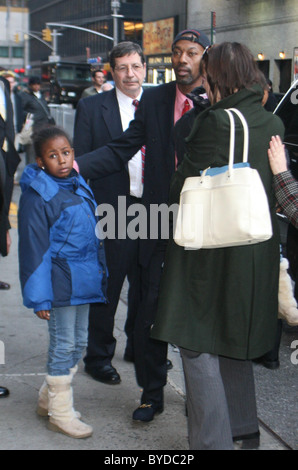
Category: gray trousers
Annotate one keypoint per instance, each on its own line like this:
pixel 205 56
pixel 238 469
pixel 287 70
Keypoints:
pixel 239 385
pixel 219 402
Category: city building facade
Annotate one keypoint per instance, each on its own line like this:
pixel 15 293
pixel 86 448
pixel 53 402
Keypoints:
pixel 14 26
pixel 114 20
pixel 269 28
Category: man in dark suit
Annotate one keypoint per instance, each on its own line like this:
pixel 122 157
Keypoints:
pixel 11 159
pixel 16 100
pixel 159 109
pixel 4 224
pixel 99 120
pixel 34 102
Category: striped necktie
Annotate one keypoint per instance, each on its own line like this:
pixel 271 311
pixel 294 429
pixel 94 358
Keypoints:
pixel 143 149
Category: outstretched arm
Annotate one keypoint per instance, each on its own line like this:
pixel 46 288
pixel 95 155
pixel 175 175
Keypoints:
pixel 285 186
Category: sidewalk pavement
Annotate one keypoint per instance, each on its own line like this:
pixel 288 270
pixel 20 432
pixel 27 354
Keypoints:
pixel 107 408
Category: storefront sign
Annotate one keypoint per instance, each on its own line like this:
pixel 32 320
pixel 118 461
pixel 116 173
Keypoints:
pixel 295 61
pixel 157 60
pixel 158 36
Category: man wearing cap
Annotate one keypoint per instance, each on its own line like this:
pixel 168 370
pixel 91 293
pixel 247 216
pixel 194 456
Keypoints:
pixel 158 111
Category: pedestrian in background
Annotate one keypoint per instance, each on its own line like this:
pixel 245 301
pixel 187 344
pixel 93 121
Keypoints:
pixel 62 268
pixel 35 103
pixel 10 161
pixel 98 79
pixel 4 225
pixel 16 100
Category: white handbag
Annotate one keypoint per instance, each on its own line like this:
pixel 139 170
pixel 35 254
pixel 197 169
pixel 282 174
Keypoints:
pixel 225 206
pixel 25 136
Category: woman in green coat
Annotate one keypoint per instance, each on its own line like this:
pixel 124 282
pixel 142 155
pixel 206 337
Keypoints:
pixel 221 302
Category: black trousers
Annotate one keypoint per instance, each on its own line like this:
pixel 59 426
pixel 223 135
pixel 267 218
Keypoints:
pixel 150 355
pixel 121 256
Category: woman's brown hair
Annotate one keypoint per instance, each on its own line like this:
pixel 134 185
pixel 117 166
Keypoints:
pixel 229 67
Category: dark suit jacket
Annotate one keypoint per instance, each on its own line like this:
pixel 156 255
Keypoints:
pixel 97 123
pixel 11 157
pixel 38 107
pixel 9 161
pixel 19 114
pixel 153 127
pixel 4 222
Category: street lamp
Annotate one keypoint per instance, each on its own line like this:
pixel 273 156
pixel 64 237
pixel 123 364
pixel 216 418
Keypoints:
pixel 115 6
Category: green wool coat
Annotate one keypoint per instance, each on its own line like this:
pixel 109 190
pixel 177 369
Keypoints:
pixel 223 301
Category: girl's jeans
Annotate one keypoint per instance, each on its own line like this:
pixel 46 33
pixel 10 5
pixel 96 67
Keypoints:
pixel 68 330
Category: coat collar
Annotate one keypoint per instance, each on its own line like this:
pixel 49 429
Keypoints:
pixel 241 99
pixel 47 186
pixel 111 113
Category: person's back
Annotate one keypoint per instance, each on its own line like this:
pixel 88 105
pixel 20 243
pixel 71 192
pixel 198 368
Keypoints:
pixel 221 302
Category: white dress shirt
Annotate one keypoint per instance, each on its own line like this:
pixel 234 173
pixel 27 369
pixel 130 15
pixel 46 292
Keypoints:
pixel 2 103
pixel 127 112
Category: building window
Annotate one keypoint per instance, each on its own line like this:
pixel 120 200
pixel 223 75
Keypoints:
pixel 133 31
pixel 17 52
pixel 4 51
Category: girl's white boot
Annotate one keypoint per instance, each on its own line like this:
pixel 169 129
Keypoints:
pixel 43 398
pixel 62 417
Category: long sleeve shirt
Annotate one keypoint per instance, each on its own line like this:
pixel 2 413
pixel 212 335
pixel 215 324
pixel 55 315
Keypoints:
pixel 286 191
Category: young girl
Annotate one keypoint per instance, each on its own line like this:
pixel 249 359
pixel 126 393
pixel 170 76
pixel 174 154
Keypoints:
pixel 62 268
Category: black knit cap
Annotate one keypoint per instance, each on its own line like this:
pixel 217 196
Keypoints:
pixel 34 80
pixel 192 35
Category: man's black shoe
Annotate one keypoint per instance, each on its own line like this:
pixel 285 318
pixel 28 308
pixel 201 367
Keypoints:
pixel 4 286
pixel 106 374
pixel 249 441
pixel 269 364
pixel 4 392
pixel 146 412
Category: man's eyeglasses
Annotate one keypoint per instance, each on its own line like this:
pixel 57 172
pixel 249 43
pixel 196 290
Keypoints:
pixel 126 68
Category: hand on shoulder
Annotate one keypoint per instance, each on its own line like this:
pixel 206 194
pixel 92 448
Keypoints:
pixel 277 155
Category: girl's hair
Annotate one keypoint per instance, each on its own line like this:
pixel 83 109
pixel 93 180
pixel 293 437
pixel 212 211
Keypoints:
pixel 46 133
pixel 229 66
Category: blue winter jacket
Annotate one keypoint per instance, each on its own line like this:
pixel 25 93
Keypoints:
pixel 62 262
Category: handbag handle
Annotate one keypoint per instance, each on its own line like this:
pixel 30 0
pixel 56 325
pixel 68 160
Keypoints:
pixel 230 112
